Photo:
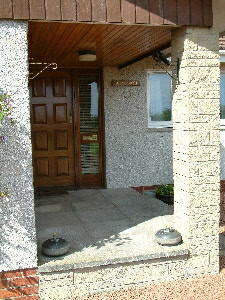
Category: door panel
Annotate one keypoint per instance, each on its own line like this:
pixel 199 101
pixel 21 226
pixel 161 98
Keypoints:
pixel 52 129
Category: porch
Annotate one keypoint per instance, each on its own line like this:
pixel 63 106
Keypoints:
pixel 109 231
pixel 121 252
pixel 102 226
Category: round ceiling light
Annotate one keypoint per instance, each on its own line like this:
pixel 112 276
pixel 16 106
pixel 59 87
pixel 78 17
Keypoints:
pixel 87 55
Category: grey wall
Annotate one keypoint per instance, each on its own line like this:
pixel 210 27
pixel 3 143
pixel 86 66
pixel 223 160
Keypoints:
pixel 135 154
pixel 17 229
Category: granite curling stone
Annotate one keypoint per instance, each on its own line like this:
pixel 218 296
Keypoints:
pixel 55 246
pixel 168 237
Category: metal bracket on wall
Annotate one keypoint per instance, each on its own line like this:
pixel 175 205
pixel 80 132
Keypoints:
pixel 160 58
pixel 43 65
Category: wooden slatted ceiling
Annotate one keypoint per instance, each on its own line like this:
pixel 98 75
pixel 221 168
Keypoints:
pixel 153 12
pixel 114 44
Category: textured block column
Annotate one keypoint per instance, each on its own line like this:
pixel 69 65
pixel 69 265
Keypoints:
pixel 17 226
pixel 196 143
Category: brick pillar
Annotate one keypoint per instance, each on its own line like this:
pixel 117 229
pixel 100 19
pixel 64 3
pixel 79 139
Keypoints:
pixel 196 143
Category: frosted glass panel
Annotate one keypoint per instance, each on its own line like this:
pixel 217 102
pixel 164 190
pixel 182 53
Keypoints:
pixel 222 96
pixel 160 97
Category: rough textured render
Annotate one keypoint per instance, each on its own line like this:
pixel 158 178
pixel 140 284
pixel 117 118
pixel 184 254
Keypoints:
pixel 76 283
pixel 135 154
pixel 196 142
pixel 207 287
pixel 17 229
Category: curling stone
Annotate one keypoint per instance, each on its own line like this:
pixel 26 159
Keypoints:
pixel 168 237
pixel 55 246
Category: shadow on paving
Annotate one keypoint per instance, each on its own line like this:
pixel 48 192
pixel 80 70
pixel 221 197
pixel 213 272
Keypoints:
pixel 99 224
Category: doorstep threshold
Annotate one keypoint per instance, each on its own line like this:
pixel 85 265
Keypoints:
pixel 166 255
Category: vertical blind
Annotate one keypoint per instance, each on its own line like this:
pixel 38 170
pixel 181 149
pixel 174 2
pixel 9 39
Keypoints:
pixel 88 96
pixel 89 122
pixel 90 158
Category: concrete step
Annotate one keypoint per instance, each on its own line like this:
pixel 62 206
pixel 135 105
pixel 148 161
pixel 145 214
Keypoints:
pixel 86 280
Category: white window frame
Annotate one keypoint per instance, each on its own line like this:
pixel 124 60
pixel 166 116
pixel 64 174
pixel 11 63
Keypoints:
pixel 222 56
pixel 157 124
pixel 222 121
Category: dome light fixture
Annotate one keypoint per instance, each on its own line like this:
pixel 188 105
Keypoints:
pixel 87 55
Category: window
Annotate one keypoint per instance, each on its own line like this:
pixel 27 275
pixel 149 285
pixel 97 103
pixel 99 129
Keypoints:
pixel 222 98
pixel 159 100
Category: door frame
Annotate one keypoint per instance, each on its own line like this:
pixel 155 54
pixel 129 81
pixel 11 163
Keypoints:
pixel 74 73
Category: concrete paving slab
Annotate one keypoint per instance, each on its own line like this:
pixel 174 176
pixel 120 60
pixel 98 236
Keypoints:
pixel 154 201
pixel 91 204
pixel 151 226
pixel 103 227
pixel 49 208
pixel 107 228
pixel 145 211
pixel 59 206
pixel 77 247
pixel 86 194
pixel 119 192
pixel 75 235
pixel 56 218
pixel 64 231
pixel 54 199
pixel 121 201
pixel 100 215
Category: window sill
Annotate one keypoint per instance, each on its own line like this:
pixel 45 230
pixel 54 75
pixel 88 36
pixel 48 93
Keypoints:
pixel 161 129
pixel 170 129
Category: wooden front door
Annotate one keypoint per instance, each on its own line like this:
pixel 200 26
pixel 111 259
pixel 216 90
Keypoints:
pixel 52 129
pixel 66 129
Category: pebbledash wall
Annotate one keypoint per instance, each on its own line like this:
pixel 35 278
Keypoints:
pixel 135 154
pixel 18 258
